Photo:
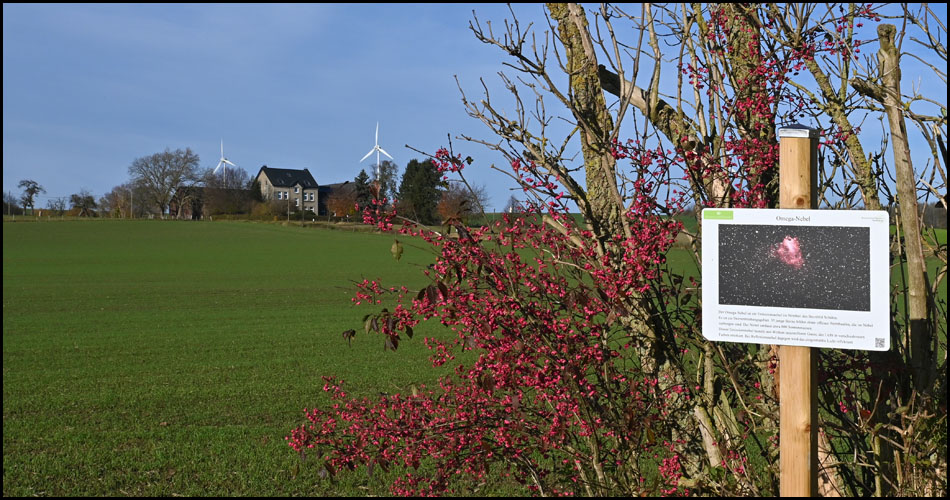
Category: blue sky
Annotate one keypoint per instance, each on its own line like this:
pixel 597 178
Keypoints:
pixel 89 88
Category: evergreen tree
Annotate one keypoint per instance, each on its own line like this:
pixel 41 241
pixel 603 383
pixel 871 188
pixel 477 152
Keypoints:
pixel 419 192
pixel 364 195
pixel 254 188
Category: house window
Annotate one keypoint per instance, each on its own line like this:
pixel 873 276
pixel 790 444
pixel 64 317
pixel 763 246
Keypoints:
pixel 296 189
pixel 296 202
pixel 311 196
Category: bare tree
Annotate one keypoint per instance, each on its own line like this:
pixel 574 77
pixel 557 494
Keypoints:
pixel 57 205
pixel 30 189
pixel 883 89
pixel 459 204
pixel 115 203
pixel 387 182
pixel 10 204
pixel 162 173
pixel 512 205
pixel 120 200
pixel 84 202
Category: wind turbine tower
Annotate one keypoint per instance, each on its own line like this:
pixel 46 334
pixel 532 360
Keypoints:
pixel 378 150
pixel 224 162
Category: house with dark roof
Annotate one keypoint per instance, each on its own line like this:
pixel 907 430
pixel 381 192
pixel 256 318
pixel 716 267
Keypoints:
pixel 296 187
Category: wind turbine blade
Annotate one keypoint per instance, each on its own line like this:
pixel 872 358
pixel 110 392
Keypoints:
pixel 384 152
pixel 229 163
pixel 367 154
pixel 377 133
pixel 222 148
pixel 216 168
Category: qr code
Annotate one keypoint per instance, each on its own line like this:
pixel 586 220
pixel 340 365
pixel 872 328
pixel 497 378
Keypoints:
pixel 879 342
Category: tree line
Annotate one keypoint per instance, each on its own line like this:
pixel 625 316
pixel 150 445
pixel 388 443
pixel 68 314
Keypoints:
pixel 172 183
pixel 82 203
pixel 422 194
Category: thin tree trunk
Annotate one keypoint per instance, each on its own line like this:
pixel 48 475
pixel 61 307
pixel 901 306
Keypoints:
pixel 917 289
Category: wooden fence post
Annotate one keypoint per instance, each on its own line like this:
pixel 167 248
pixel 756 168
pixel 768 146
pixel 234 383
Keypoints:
pixel 798 408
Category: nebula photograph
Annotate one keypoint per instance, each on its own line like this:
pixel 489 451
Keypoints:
pixel 826 267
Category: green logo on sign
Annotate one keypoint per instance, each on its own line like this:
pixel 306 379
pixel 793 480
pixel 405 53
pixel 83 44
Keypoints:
pixel 718 214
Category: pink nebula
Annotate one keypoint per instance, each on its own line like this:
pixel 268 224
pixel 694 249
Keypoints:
pixel 789 252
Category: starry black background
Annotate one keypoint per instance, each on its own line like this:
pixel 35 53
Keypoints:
pixel 836 274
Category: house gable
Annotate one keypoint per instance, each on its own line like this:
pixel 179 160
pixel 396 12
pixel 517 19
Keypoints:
pixel 297 187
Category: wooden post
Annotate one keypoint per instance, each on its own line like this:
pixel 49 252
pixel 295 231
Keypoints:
pixel 798 408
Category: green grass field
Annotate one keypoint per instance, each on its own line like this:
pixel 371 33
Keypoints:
pixel 171 358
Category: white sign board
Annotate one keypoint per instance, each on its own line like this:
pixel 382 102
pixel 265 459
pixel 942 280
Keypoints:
pixel 815 278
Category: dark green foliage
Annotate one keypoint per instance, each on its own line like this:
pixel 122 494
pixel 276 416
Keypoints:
pixel 254 186
pixel 363 192
pixel 419 192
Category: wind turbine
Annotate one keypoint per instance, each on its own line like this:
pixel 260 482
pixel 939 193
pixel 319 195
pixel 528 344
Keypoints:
pixel 224 162
pixel 378 150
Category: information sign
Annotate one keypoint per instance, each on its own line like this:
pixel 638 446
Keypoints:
pixel 814 278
